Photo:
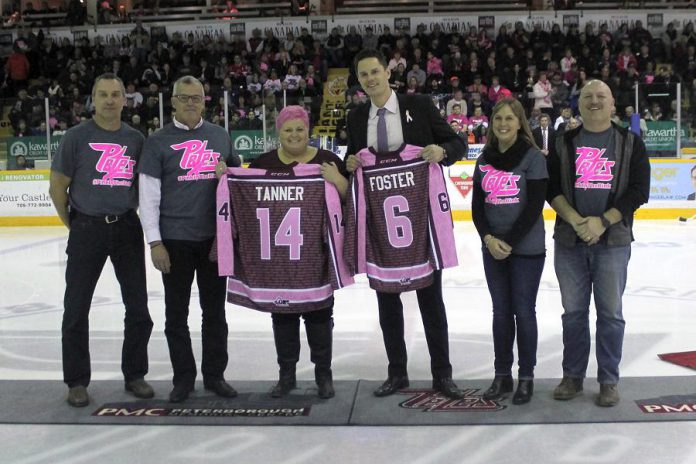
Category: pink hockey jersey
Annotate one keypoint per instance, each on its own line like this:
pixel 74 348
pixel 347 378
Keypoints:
pixel 398 222
pixel 280 238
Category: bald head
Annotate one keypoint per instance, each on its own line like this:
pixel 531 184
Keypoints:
pixel 596 104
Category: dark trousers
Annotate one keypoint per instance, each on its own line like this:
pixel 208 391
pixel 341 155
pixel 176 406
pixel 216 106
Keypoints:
pixel 432 309
pixel 286 333
pixel 514 284
pixel 90 243
pixel 188 258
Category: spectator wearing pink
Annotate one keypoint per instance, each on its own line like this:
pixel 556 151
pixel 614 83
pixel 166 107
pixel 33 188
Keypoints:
pixel 567 63
pixel 626 59
pixel 542 93
pixel 478 119
pixel 434 65
pixel 396 60
pixel 458 116
pixel 496 91
pixel 478 125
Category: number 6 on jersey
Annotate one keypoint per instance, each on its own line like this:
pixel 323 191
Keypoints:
pixel 399 229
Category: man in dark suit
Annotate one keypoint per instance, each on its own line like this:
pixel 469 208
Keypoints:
pixel 411 119
pixel 692 196
pixel 544 135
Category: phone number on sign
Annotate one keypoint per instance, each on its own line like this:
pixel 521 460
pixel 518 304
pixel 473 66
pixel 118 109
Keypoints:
pixel 34 205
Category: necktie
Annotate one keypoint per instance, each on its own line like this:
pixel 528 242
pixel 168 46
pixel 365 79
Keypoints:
pixel 546 139
pixel 382 139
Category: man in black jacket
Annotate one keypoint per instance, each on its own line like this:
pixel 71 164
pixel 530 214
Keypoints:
pixel 598 177
pixel 411 119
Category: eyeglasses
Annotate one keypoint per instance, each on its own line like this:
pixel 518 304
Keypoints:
pixel 189 98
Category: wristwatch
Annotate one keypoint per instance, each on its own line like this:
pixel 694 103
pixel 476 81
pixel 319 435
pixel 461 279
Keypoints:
pixel 605 222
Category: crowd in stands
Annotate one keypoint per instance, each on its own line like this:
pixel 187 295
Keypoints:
pixel 465 73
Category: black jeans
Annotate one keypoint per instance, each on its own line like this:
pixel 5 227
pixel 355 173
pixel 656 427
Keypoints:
pixel 432 309
pixel 90 243
pixel 189 258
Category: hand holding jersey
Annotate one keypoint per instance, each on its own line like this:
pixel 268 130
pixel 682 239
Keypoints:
pixel 286 211
pixel 387 123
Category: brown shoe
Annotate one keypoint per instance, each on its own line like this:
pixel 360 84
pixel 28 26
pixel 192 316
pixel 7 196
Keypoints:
pixel 569 388
pixel 608 395
pixel 140 388
pixel 78 397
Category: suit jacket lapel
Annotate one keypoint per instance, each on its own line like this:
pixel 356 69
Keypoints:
pixel 403 108
pixel 364 116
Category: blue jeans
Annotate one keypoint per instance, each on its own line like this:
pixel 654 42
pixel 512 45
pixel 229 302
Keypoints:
pixel 584 270
pixel 514 284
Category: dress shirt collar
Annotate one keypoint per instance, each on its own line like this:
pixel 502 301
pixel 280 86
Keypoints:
pixel 392 106
pixel 185 127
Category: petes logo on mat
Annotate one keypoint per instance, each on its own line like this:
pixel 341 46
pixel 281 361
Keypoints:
pixel 432 401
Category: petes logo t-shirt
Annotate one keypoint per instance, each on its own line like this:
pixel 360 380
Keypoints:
pixel 595 169
pixel 184 161
pixel 101 164
pixel 506 197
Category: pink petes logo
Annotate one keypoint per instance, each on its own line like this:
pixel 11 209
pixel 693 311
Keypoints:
pixel 114 164
pixel 501 186
pixel 593 169
pixel 197 159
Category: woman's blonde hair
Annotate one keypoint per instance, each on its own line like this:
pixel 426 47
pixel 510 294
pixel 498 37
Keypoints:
pixel 518 110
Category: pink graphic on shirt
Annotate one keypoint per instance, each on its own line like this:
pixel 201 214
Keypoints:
pixel 116 167
pixel 498 185
pixel 593 168
pixel 197 159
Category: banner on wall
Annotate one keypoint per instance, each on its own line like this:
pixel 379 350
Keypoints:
pixel 250 144
pixel 25 193
pixel 31 148
pixel 107 33
pixel 280 28
pixel 656 22
pixel 672 180
pixel 199 30
pixel 662 136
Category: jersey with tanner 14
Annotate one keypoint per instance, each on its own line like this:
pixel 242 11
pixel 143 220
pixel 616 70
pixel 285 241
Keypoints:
pixel 280 239
pixel 398 224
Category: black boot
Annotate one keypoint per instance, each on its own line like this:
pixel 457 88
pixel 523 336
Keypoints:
pixel 287 342
pixel 319 336
pixel 525 390
pixel 500 385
